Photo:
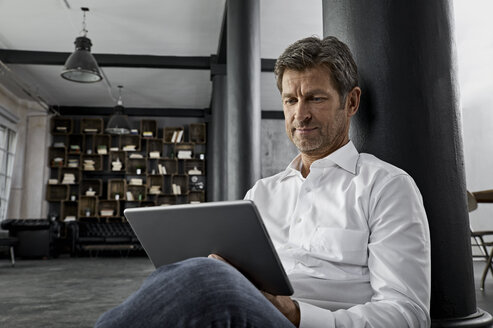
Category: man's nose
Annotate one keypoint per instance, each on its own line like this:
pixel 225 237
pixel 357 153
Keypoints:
pixel 302 111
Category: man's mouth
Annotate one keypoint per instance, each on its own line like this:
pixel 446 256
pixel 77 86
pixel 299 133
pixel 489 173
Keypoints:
pixel 305 130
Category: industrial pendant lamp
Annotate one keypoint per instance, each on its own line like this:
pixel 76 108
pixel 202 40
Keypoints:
pixel 81 65
pixel 118 123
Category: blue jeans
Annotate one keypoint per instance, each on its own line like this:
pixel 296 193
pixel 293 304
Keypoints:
pixel 198 292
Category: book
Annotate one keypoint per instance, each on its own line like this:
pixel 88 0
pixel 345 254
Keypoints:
pixel 154 154
pixel 107 212
pixel 179 136
pixel 176 189
pixel 69 218
pixel 102 150
pixel 136 182
pixel 155 190
pixel 130 196
pixel 194 171
pixel 161 168
pixel 184 154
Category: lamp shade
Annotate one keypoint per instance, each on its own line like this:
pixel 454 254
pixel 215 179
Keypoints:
pixel 81 66
pixel 118 123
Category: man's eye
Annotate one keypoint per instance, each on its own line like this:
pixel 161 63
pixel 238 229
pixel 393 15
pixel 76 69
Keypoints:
pixel 290 101
pixel 317 99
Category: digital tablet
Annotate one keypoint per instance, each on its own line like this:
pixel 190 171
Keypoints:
pixel 231 229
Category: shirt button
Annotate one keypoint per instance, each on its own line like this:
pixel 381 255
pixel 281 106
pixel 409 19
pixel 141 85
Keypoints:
pixel 298 220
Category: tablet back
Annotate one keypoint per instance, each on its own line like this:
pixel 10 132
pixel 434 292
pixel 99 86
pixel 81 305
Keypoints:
pixel 231 229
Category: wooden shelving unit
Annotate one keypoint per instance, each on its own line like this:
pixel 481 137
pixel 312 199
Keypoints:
pixel 99 175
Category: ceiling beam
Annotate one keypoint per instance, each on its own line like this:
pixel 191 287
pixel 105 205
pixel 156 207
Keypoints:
pixel 131 111
pixel 159 112
pixel 25 57
pixel 106 60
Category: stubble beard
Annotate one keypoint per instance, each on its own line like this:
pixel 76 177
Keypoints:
pixel 307 145
pixel 325 139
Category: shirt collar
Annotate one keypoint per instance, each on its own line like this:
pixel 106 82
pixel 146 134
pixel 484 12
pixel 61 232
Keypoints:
pixel 345 157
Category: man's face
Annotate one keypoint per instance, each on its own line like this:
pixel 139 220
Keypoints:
pixel 316 122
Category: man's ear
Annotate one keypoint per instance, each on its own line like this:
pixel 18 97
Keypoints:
pixel 352 101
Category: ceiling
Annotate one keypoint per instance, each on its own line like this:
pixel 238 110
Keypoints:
pixel 147 27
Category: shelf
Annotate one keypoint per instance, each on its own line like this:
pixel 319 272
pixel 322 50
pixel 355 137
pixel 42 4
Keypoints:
pixel 91 125
pixel 180 181
pixel 154 148
pixel 69 210
pixel 91 185
pixel 148 128
pixel 174 134
pixel 57 156
pixel 170 166
pixel 130 142
pixel 155 185
pixel 87 206
pixel 197 133
pixel 196 183
pixel 56 192
pixel 108 208
pixel 75 143
pixel 166 200
pixel 116 161
pixel 196 197
pixel 101 144
pixel 92 162
pixel 164 178
pixel 194 167
pixel 136 193
pixel 69 175
pixel 117 189
pixel 136 166
pixel 61 125
pixel 184 151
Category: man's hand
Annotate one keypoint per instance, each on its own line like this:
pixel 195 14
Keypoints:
pixel 283 303
pixel 286 306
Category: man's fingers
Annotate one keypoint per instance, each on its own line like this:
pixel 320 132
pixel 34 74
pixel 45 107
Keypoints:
pixel 217 257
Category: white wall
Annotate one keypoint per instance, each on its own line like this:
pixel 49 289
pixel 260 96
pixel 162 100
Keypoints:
pixel 30 170
pixel 474 40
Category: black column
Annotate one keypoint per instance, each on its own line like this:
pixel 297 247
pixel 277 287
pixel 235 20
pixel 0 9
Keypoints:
pixel 243 112
pixel 218 130
pixel 409 116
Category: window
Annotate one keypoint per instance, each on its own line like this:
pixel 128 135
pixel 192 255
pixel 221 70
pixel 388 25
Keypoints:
pixel 7 152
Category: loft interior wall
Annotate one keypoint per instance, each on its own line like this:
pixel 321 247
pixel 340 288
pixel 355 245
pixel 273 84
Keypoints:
pixel 474 43
pixel 28 176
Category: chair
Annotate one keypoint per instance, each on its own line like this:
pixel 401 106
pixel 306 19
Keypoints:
pixel 9 242
pixel 478 236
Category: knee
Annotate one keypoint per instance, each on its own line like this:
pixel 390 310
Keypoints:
pixel 200 272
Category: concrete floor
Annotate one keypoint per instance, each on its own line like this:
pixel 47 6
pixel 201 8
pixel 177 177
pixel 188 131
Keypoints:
pixel 74 292
pixel 66 292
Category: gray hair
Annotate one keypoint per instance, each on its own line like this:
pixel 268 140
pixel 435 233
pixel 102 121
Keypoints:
pixel 329 52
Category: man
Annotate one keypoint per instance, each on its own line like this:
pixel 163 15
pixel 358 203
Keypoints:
pixel 350 229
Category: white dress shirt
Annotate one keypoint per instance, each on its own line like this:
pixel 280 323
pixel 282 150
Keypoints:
pixel 353 238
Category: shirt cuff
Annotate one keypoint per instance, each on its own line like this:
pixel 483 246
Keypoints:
pixel 312 316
